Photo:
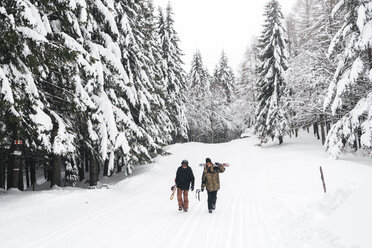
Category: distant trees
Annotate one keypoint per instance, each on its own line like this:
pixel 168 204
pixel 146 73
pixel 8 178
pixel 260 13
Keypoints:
pixel 310 29
pixel 329 76
pixel 198 101
pixel 244 107
pixel 209 102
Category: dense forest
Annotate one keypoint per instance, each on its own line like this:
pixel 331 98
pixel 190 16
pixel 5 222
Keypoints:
pixel 89 88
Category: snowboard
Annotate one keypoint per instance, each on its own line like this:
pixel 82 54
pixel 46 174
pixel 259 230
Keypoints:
pixel 215 164
pixel 173 188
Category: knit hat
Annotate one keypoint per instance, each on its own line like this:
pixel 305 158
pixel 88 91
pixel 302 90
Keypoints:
pixel 185 162
pixel 208 160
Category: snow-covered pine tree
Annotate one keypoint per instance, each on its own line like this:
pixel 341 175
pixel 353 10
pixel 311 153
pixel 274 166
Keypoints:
pixel 174 73
pixel 21 109
pixel 140 48
pixel 106 59
pixel 245 104
pixel 48 67
pixel 198 101
pixel 154 61
pixel 198 79
pixel 351 88
pixel 222 96
pixel 222 86
pixel 310 68
pixel 272 117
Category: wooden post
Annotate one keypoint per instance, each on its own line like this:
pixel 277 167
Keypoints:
pixel 322 177
pixel 322 131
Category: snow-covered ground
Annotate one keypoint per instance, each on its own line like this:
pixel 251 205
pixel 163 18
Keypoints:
pixel 270 197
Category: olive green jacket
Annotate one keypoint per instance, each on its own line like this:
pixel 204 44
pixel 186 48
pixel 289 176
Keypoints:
pixel 211 178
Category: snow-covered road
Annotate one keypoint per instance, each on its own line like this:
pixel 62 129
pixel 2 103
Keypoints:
pixel 270 198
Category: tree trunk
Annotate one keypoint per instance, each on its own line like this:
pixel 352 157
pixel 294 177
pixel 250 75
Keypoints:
pixel 296 132
pixel 55 160
pixel 357 140
pixel 81 172
pixel 280 140
pixel 87 160
pixel 328 127
pixel 33 175
pixel 81 165
pixel 2 169
pixel 105 168
pixel 27 169
pixel 56 164
pixel 316 130
pixel 119 164
pixel 370 57
pixel 9 173
pixel 46 169
pixel 322 131
pixel 93 175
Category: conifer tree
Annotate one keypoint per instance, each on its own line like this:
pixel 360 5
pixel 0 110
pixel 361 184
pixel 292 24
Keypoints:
pixel 222 87
pixel 174 73
pixel 350 92
pixel 272 118
pixel 198 101
pixel 310 68
pixel 198 83
pixel 86 83
pixel 222 96
pixel 245 104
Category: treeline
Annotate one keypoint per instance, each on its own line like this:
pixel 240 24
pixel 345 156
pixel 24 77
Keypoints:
pixel 88 88
pixel 91 88
pixel 312 70
pixel 210 102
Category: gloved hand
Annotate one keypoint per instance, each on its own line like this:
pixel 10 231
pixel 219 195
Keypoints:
pixel 192 188
pixel 202 189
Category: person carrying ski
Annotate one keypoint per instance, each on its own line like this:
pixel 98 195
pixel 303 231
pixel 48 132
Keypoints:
pixel 184 177
pixel 211 181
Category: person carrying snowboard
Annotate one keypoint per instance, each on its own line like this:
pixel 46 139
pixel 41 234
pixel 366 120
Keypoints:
pixel 184 177
pixel 211 181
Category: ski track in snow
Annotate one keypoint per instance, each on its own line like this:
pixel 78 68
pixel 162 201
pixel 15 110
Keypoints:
pixel 137 211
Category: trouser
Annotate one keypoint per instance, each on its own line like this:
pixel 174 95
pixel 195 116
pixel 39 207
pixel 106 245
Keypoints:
pixel 212 198
pixel 183 203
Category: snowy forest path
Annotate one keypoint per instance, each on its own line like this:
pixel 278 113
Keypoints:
pixel 137 212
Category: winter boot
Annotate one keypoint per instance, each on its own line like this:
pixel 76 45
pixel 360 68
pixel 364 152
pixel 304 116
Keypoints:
pixel 185 210
pixel 210 211
pixel 213 207
pixel 179 208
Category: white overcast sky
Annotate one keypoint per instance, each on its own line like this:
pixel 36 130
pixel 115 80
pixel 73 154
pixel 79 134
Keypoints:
pixel 215 25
